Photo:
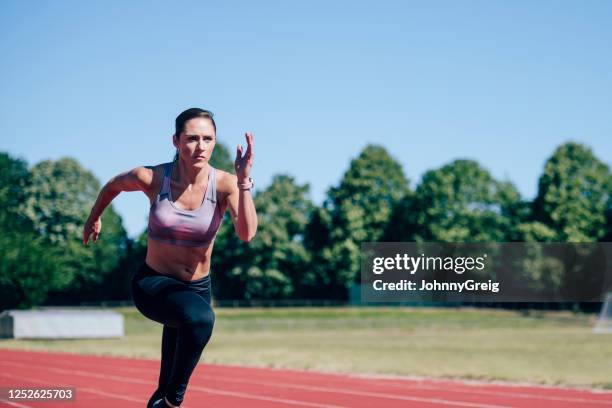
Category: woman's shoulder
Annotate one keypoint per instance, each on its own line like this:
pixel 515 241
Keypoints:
pixel 226 181
pixel 155 170
pixel 151 175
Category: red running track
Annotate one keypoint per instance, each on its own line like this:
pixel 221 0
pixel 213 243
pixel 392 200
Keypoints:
pixel 128 382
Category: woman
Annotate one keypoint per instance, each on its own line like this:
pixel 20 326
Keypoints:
pixel 188 199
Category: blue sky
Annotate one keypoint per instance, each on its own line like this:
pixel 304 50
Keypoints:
pixel 501 82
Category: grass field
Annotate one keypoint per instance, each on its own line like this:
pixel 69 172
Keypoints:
pixel 550 348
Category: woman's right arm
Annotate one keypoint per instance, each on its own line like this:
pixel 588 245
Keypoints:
pixel 137 179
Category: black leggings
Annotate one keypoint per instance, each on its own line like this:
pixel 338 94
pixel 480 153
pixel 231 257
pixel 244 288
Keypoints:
pixel 184 310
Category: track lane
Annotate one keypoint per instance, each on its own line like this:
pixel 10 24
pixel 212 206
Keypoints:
pixel 276 386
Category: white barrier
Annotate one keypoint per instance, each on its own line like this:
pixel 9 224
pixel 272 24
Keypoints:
pixel 604 323
pixel 61 324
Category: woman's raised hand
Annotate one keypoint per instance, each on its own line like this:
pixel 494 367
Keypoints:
pixel 91 227
pixel 244 163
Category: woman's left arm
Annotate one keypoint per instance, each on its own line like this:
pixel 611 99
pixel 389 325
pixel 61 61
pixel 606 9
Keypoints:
pixel 240 200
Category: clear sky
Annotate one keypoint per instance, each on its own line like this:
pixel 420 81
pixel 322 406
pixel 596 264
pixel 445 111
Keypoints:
pixel 501 82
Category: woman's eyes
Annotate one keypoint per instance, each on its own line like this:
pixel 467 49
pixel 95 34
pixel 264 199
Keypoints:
pixel 195 139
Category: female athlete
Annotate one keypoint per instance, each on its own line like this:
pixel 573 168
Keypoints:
pixel 188 199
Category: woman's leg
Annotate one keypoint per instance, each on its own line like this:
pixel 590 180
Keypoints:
pixel 169 338
pixel 167 357
pixel 185 308
pixel 191 340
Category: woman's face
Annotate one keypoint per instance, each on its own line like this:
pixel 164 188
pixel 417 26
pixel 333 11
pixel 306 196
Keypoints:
pixel 195 145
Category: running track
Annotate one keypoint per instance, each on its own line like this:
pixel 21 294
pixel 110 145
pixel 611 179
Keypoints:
pixel 127 382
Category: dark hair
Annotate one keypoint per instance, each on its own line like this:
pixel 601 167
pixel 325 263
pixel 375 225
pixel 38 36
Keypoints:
pixel 188 114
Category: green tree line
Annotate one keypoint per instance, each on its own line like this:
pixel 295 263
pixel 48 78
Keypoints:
pixel 301 250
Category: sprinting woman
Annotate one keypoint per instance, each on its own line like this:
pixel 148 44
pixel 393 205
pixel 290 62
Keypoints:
pixel 188 199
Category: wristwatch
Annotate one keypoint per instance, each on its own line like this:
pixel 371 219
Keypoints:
pixel 247 185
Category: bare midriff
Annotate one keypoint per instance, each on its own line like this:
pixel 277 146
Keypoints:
pixel 181 262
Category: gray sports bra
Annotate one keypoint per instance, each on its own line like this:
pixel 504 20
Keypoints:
pixel 173 225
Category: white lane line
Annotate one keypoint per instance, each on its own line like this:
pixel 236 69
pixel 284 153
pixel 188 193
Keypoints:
pixel 14 404
pixel 395 385
pixel 264 398
pixel 510 394
pixel 361 376
pixel 85 389
pixel 195 388
pixel 336 390
pixel 302 387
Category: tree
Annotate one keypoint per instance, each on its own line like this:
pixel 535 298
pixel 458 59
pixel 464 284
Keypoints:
pixel 573 194
pixel 459 202
pixel 221 158
pixel 58 202
pixel 533 231
pixel 269 266
pixel 355 211
pixel 26 265
pixel 608 236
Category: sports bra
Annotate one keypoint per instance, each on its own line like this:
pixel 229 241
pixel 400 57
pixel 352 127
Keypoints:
pixel 193 228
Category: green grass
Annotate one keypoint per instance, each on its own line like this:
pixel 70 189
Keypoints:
pixel 549 348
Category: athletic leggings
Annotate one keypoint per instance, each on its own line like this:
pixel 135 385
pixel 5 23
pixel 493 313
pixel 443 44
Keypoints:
pixel 184 310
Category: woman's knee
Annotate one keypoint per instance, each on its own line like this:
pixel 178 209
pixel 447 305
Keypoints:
pixel 202 317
